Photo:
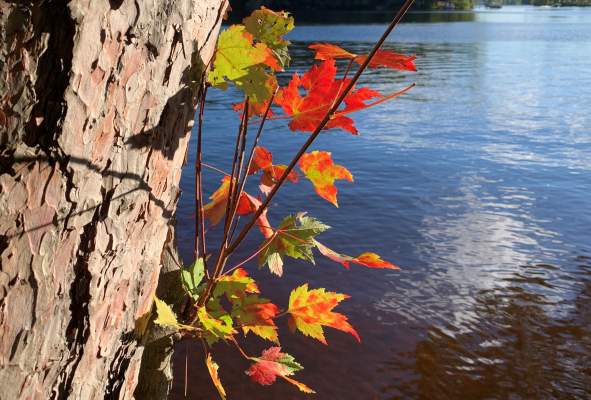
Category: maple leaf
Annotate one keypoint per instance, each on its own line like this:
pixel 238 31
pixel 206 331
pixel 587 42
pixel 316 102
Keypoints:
pixel 272 364
pixel 371 260
pixel 263 161
pixel 215 210
pixel 382 58
pixel 166 317
pixel 295 238
pixel 310 310
pixel 262 221
pixel 257 109
pixel 321 89
pixel 240 60
pixel 213 367
pixel 320 169
pixel 235 285
pixel 269 27
pixel 192 276
pixel 215 328
pixel 256 314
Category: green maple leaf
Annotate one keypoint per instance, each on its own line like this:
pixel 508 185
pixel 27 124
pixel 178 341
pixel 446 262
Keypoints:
pixel 255 314
pixel 216 325
pixel 269 27
pixel 239 60
pixel 295 238
pixel 192 276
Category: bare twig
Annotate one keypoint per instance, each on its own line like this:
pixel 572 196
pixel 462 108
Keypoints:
pixel 251 154
pixel 199 211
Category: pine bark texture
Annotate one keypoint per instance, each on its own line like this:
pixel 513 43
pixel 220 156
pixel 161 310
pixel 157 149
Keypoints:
pixel 96 105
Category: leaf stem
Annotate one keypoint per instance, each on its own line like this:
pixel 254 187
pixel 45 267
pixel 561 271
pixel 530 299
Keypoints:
pixel 256 253
pixel 233 339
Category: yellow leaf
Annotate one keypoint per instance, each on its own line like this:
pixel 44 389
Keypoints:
pixel 212 367
pixel 166 317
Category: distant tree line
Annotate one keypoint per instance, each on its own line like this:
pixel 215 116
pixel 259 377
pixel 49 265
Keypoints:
pixel 306 9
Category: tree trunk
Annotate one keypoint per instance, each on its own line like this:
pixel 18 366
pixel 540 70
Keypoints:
pixel 96 104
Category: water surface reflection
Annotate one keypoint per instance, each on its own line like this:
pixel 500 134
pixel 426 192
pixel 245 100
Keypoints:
pixel 477 183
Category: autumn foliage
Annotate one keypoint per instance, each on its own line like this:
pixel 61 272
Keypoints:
pixel 223 301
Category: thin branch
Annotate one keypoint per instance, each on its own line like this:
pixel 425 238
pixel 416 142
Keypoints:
pixel 209 166
pixel 256 253
pixel 200 211
pixel 240 176
pixel 254 146
pixel 186 365
pixel 343 79
pixel 228 219
pixel 380 101
pixel 320 126
pixel 240 349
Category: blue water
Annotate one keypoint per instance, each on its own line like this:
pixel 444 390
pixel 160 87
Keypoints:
pixel 476 183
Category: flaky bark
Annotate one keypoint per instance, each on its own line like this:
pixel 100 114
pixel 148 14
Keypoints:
pixel 96 103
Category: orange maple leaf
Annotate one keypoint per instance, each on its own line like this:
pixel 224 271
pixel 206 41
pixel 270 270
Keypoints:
pixel 382 58
pixel 320 169
pixel 216 209
pixel 311 309
pixel 371 260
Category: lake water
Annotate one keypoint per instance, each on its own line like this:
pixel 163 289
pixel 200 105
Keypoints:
pixel 476 183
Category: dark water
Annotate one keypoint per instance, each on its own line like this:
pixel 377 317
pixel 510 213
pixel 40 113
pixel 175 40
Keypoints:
pixel 477 183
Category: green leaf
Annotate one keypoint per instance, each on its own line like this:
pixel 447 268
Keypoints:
pixel 215 328
pixel 269 27
pixel 192 276
pixel 255 314
pixel 235 286
pixel 295 238
pixel 239 60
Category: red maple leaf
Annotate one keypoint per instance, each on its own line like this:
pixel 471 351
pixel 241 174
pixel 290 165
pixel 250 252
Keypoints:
pixel 271 173
pixel 321 89
pixel 382 58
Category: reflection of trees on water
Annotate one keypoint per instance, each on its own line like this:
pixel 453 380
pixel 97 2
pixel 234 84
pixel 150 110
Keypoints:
pixel 525 342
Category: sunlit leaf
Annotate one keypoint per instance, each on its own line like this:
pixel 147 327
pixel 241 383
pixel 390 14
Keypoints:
pixel 272 364
pixel 263 161
pixel 310 310
pixel 269 27
pixel 382 58
pixel 215 210
pixel 235 285
pixel 256 314
pixel 371 260
pixel 166 317
pixel 320 169
pixel 213 367
pixel 215 328
pixel 321 89
pixel 192 276
pixel 295 238
pixel 239 60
